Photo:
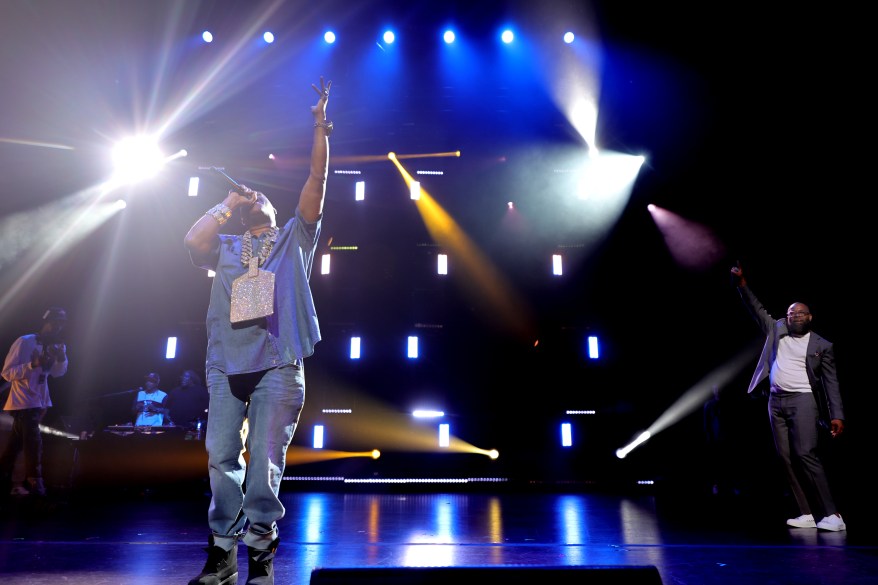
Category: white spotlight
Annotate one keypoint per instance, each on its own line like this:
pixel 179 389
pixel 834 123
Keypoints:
pixel 136 159
pixel 207 36
pixel 566 435
pixel 422 413
pixel 593 347
pixel 443 435
pixel 389 37
pixel 329 37
pixel 171 350
pixel 268 37
pixel 557 266
pixel 448 37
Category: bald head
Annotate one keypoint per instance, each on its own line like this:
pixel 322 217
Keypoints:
pixel 798 319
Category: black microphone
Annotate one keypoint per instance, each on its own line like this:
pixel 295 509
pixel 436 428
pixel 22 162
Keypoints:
pixel 221 170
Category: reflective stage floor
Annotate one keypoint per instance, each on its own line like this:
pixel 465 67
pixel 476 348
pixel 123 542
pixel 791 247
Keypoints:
pixel 511 533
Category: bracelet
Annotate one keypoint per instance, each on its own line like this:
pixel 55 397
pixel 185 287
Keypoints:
pixel 221 213
pixel 327 127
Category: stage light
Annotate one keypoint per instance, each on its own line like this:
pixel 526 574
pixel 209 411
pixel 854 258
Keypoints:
pixel 557 268
pixel 324 264
pixel 207 36
pixel 355 348
pixel 443 435
pixel 568 37
pixel 318 437
pixel 360 191
pixel 448 37
pixel 171 349
pixel 58 433
pixel 442 264
pixel 329 37
pixel 412 351
pixel 389 37
pixel 641 438
pixel 593 349
pixel 508 36
pixel 420 413
pixel 268 37
pixel 376 453
pixel 137 158
pixel 566 435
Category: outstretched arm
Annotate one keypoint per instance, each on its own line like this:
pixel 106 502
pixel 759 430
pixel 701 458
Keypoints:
pixel 314 191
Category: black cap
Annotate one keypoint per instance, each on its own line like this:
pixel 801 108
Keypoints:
pixel 55 314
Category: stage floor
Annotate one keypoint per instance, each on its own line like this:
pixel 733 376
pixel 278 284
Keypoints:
pixel 147 536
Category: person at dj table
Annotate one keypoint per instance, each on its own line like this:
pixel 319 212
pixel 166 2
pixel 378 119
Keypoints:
pixel 149 408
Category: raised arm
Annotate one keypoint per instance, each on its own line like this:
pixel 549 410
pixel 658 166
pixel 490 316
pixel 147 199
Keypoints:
pixel 754 306
pixel 738 275
pixel 314 190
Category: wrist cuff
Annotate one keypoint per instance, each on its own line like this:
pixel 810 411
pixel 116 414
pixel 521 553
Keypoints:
pixel 327 126
pixel 221 213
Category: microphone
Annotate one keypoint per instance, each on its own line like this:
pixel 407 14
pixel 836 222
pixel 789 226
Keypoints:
pixel 221 170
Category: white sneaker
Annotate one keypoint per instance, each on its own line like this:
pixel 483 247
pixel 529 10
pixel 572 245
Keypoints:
pixel 803 521
pixel 832 522
pixel 19 490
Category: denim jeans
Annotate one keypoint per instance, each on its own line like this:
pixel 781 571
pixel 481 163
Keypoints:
pixel 256 413
pixel 25 437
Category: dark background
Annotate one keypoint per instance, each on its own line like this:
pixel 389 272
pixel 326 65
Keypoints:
pixel 747 114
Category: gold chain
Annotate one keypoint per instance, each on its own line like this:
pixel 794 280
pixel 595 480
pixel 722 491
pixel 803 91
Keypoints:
pixel 264 248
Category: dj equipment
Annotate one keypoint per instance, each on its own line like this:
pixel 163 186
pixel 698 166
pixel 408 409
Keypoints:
pixel 146 429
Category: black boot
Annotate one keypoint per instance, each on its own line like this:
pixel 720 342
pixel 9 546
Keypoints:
pixel 221 567
pixel 260 564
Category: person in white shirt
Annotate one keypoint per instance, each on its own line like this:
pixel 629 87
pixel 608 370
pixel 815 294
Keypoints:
pixel 803 401
pixel 149 406
pixel 31 360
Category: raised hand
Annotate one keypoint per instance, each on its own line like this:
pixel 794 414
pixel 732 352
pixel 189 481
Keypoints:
pixel 319 109
pixel 738 275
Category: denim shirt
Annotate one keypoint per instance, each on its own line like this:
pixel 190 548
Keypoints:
pixel 291 332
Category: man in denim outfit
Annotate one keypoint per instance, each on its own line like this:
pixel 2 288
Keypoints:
pixel 255 373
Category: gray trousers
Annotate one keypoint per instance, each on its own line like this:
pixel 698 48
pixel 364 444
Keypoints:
pixel 794 417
